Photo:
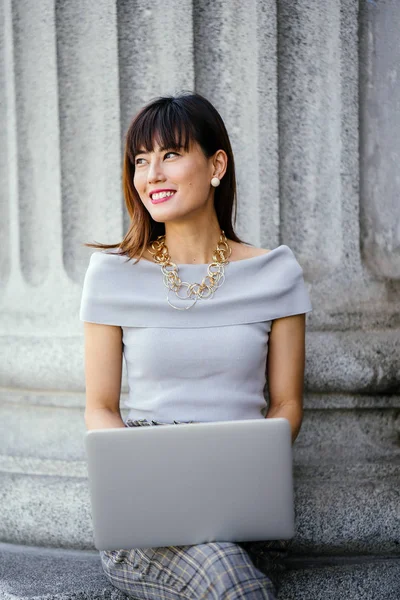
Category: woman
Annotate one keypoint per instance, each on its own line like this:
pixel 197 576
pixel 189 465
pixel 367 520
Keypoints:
pixel 196 312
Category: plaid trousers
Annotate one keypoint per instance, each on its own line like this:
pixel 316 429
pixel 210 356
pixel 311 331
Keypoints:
pixel 209 571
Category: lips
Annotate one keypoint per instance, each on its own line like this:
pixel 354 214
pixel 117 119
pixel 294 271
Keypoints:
pixel 159 190
pixel 164 199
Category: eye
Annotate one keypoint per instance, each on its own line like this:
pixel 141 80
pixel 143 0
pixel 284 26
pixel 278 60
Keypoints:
pixel 137 163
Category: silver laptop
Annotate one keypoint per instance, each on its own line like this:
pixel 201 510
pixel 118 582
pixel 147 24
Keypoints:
pixel 191 483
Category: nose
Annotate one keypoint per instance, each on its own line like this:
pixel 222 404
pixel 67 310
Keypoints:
pixel 154 172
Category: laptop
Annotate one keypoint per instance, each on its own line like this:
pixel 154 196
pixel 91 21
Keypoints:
pixel 191 483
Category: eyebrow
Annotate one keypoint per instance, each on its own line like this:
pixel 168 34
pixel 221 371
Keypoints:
pixel 162 148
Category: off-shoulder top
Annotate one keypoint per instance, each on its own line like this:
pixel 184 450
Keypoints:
pixel 207 363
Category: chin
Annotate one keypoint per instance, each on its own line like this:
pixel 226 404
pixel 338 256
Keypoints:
pixel 167 217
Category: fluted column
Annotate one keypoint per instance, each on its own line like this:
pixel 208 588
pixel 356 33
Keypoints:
pixel 61 168
pixel 380 145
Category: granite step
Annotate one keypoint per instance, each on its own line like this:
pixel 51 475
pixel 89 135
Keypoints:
pixel 28 573
pixel 37 573
pixel 343 578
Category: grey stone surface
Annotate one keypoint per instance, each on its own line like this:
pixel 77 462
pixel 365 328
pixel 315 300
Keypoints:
pixel 89 127
pixel 45 432
pixel 379 139
pixel 348 439
pixel 349 268
pixel 28 573
pixel 375 580
pixel 349 402
pixel 45 510
pixel 148 70
pixel 358 362
pixel 8 162
pixel 312 401
pixel 45 363
pixel 37 143
pixel 347 512
pixel 56 433
pixel 338 510
pixel 38 573
pixel 309 74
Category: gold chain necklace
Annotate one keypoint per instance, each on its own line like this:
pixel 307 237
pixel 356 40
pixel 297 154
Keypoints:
pixel 212 281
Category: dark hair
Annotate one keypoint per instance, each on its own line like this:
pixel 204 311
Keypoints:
pixel 189 116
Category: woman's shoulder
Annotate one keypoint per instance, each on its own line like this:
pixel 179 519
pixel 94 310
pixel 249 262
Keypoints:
pixel 108 254
pixel 241 251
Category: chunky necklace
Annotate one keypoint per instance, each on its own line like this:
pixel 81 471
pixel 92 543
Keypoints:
pixel 213 280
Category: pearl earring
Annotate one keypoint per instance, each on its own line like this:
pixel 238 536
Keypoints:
pixel 215 181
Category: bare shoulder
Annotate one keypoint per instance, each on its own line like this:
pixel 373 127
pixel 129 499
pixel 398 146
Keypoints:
pixel 258 251
pixel 243 251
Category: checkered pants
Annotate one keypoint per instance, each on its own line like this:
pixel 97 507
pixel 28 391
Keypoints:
pixel 209 571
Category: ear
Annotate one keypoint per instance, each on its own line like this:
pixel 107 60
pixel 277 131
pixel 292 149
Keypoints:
pixel 220 163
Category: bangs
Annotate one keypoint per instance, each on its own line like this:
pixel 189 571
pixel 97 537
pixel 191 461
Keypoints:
pixel 166 124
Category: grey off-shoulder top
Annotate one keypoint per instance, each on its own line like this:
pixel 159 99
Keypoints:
pixel 207 363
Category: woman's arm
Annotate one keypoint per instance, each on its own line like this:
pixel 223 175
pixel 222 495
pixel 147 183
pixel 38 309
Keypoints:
pixel 103 372
pixel 285 370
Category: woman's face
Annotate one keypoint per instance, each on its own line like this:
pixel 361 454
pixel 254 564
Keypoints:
pixel 187 174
